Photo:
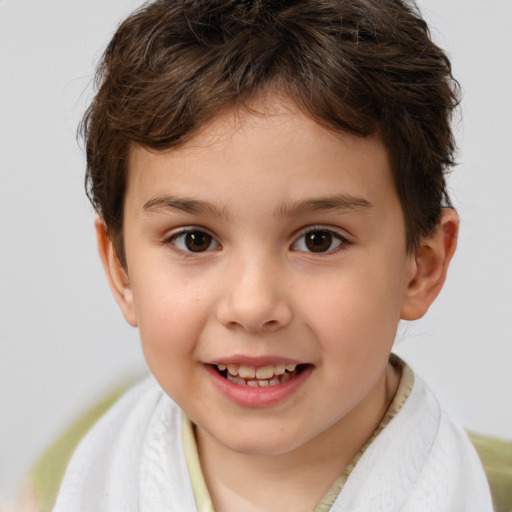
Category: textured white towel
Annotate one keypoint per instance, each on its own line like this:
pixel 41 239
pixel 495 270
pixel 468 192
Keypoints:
pixel 133 460
pixel 421 462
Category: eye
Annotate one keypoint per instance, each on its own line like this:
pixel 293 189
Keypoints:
pixel 194 240
pixel 319 240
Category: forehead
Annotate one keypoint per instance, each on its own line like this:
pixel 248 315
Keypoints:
pixel 273 142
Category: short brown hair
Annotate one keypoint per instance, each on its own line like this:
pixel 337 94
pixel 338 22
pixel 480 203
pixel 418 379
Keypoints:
pixel 357 66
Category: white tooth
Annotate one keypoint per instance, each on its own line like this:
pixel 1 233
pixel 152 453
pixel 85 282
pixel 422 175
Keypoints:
pixel 286 377
pixel 279 369
pixel 235 380
pixel 233 369
pixel 252 383
pixel 221 367
pixel 263 383
pixel 246 372
pixel 265 372
pixel 274 382
pixel 291 367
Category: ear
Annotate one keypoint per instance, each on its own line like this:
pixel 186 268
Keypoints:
pixel 430 266
pixel 116 273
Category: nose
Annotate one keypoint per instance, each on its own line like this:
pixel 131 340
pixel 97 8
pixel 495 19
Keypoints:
pixel 254 297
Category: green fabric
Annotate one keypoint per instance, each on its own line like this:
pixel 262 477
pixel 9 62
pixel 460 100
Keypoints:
pixel 496 456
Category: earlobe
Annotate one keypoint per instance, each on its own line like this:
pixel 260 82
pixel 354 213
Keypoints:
pixel 430 266
pixel 116 273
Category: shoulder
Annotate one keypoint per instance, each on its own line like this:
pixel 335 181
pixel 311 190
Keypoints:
pixel 125 422
pixel 47 473
pixel 103 471
pixel 451 477
pixel 130 411
pixel 422 461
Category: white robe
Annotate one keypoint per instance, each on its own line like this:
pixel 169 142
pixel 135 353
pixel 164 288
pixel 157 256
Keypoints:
pixel 133 460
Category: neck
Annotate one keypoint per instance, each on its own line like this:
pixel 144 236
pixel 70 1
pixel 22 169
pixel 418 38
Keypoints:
pixel 296 480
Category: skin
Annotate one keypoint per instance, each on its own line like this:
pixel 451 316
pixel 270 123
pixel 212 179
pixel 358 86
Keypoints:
pixel 256 183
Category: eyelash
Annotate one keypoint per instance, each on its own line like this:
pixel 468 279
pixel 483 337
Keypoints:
pixel 334 237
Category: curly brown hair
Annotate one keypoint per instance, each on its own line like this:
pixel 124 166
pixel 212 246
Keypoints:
pixel 357 66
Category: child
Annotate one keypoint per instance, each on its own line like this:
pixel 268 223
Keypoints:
pixel 269 179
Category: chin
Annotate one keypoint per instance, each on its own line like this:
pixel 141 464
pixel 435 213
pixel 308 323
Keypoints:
pixel 260 443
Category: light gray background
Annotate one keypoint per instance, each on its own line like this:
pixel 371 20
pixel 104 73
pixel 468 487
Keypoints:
pixel 63 342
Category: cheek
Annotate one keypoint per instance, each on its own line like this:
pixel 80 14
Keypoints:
pixel 171 313
pixel 171 321
pixel 357 312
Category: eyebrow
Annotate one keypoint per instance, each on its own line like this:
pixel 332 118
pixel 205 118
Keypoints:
pixel 339 202
pixel 194 206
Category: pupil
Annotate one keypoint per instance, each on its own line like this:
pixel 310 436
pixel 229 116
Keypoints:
pixel 318 241
pixel 197 241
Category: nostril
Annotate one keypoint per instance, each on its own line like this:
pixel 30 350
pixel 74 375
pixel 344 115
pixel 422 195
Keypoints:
pixel 253 312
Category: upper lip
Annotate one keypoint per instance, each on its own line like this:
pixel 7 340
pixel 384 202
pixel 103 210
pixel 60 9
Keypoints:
pixel 254 361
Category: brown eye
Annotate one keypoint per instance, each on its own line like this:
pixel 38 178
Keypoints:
pixel 318 241
pixel 194 241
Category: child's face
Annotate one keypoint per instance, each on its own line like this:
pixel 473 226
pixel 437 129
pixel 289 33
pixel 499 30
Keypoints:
pixel 265 241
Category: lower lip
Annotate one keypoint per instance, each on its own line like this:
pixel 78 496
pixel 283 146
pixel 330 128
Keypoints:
pixel 258 397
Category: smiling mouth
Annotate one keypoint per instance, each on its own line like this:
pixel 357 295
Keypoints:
pixel 263 376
